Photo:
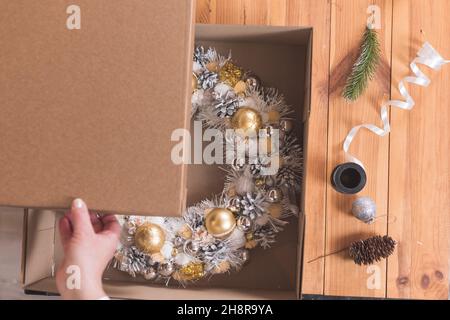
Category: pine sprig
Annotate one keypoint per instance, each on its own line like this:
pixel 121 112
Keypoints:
pixel 364 68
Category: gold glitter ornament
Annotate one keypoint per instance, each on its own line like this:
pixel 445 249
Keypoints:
pixel 246 119
pixel 260 182
pixel 220 222
pixel 149 238
pixel 230 74
pixel 191 271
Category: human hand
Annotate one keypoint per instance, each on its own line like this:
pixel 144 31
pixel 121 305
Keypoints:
pixel 89 243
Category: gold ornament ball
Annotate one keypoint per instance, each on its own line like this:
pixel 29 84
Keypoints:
pixel 246 119
pixel 220 222
pixel 273 116
pixel 149 238
pixel 240 87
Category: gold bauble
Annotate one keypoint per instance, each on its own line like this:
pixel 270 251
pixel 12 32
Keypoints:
pixel 273 116
pixel 194 82
pixel 250 244
pixel 220 222
pixel 191 271
pixel 149 238
pixel 246 119
pixel 240 87
pixel 275 210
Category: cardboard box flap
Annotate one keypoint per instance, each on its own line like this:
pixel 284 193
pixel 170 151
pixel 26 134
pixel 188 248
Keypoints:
pixel 90 92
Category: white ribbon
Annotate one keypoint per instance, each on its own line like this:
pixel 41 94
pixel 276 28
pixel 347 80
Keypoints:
pixel 428 56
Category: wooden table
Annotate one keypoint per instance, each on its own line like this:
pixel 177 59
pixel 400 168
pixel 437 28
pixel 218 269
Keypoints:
pixel 408 171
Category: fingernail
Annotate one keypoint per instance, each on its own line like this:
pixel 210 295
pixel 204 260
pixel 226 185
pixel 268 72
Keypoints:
pixel 77 203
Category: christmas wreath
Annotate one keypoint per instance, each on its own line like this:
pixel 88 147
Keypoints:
pixel 215 235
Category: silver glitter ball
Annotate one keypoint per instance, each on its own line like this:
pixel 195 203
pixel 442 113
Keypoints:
pixel 245 255
pixel 364 209
pixel 274 195
pixel 286 125
pixel 149 274
pixel 166 269
pixel 244 223
pixel 252 80
pixel 191 248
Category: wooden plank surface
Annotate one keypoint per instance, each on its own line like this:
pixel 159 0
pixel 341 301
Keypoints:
pixel 311 13
pixel 419 179
pixel 342 276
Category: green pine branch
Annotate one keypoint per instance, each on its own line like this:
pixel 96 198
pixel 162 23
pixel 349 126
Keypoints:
pixel 364 68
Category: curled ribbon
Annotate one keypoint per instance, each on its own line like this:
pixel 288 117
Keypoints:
pixel 427 56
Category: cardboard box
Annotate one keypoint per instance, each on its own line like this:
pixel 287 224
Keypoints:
pixel 90 93
pixel 281 56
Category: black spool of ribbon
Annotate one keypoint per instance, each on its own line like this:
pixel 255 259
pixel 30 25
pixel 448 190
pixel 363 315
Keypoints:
pixel 348 178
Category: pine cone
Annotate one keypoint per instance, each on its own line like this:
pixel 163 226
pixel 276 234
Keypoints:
pixel 199 54
pixel 371 250
pixel 287 176
pixel 208 79
pixel 226 106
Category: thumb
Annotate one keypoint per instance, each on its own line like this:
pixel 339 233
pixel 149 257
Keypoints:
pixel 81 220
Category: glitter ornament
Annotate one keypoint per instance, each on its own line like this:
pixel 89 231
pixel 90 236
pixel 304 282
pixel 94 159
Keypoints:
pixel 251 80
pixel 230 74
pixel 149 238
pixel 190 272
pixel 220 222
pixel 364 209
